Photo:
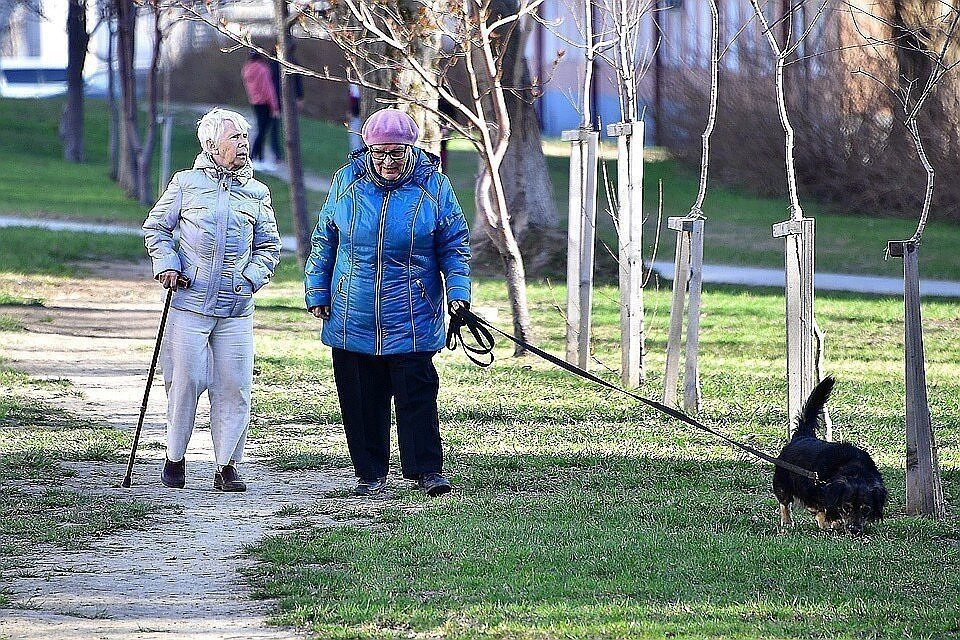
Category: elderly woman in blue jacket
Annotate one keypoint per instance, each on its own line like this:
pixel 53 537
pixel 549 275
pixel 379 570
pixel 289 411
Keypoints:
pixel 228 248
pixel 390 242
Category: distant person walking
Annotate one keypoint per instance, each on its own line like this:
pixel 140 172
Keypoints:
pixel 266 107
pixel 390 244
pixel 228 249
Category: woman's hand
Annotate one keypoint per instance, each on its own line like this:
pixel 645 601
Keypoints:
pixel 456 306
pixel 322 312
pixel 170 279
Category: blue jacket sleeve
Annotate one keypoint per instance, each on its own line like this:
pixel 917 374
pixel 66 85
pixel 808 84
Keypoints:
pixel 452 244
pixel 323 251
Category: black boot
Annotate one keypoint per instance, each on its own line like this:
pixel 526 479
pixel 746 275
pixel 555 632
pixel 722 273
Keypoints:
pixel 174 474
pixel 227 479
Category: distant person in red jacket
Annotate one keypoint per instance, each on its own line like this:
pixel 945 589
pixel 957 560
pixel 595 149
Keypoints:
pixel 266 106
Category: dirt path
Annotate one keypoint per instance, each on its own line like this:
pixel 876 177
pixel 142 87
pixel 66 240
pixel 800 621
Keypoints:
pixel 178 579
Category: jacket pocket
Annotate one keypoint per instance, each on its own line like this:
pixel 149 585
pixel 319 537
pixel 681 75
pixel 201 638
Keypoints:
pixel 426 296
pixel 241 286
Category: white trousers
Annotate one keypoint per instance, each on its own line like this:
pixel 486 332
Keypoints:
pixel 203 353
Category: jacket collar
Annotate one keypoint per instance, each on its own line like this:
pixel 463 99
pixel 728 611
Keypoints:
pixel 205 163
pixel 425 164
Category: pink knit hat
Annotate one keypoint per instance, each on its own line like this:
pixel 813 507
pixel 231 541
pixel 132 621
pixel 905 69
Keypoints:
pixel 389 126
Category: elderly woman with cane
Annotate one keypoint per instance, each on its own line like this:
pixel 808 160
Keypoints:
pixel 391 240
pixel 228 249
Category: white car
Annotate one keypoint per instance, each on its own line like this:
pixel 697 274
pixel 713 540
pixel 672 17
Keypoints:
pixel 31 78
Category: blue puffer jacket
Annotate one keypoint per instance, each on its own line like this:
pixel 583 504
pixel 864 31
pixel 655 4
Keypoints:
pixel 378 256
pixel 229 245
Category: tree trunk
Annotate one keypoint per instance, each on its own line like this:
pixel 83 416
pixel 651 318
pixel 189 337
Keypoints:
pixel 71 121
pixel 398 75
pixel 490 198
pixel 129 146
pixel 145 154
pixel 291 138
pixel 526 180
pixel 113 129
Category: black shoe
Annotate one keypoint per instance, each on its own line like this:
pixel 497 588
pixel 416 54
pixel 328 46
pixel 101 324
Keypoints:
pixel 174 474
pixel 434 484
pixel 227 479
pixel 370 487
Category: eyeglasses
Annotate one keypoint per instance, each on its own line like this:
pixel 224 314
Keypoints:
pixel 395 154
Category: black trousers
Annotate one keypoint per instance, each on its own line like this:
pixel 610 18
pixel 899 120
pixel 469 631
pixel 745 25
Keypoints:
pixel 365 385
pixel 265 123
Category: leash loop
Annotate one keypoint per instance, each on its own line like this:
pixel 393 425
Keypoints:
pixel 480 329
pixel 483 339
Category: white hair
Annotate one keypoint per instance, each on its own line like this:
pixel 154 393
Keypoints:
pixel 210 126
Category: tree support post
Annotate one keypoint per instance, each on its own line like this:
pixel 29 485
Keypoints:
pixel 581 230
pixel 798 235
pixel 687 270
pixel 924 489
pixel 630 257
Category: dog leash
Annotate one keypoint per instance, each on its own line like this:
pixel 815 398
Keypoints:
pixel 484 343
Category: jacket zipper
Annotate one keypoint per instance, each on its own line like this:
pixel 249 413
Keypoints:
pixel 376 297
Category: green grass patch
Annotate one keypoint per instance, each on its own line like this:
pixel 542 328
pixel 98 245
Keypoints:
pixel 36 436
pixel 7 298
pixel 66 518
pixel 10 323
pixel 578 513
pixel 39 183
pixel 37 251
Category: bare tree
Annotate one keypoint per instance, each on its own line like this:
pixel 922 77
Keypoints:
pixel 804 338
pixel 291 134
pixel 926 40
pixel 526 179
pixel 128 134
pixel 783 52
pixel 136 148
pixel 480 39
pixel 385 66
pixel 71 121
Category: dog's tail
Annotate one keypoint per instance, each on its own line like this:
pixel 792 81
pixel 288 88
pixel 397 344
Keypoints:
pixel 807 420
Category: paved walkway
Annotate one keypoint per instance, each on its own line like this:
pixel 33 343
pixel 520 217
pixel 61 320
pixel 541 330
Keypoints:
pixel 712 273
pixel 725 274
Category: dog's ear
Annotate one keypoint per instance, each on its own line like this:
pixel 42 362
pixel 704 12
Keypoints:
pixel 834 492
pixel 878 500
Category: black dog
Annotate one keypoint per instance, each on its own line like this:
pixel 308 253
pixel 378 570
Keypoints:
pixel 850 491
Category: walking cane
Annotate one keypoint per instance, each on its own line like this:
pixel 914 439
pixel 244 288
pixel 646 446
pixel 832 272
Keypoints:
pixel 183 282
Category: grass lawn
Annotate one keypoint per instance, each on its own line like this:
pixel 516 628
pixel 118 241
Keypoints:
pixel 578 514
pixel 38 183
pixel 738 228
pixel 36 435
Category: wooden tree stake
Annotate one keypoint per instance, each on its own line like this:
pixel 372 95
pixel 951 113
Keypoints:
pixel 798 235
pixel 582 221
pixel 924 489
pixel 687 270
